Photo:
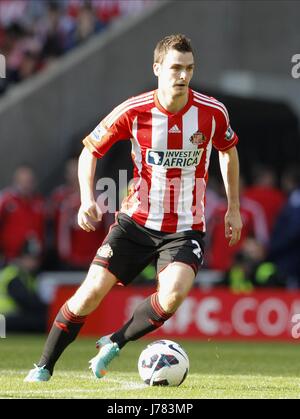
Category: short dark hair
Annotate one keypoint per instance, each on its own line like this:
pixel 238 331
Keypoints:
pixel 178 42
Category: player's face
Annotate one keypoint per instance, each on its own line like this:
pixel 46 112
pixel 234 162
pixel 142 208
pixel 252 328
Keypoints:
pixel 175 72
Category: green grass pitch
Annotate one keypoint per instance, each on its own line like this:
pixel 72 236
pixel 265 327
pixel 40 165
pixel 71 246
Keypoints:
pixel 217 370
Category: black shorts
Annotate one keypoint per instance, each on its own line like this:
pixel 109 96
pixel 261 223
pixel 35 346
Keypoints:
pixel 129 248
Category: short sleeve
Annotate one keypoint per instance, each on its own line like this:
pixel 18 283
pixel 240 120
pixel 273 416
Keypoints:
pixel 224 137
pixel 108 132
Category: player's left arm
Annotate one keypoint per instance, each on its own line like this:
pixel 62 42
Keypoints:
pixel 229 164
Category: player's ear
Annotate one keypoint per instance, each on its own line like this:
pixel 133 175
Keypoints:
pixel 156 69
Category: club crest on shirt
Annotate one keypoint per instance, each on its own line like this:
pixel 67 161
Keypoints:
pixel 198 138
pixel 105 251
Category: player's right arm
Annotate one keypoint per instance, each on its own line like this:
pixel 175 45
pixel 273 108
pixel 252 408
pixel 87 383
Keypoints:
pixel 88 211
pixel 116 126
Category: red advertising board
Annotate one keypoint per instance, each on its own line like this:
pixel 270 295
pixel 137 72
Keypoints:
pixel 219 314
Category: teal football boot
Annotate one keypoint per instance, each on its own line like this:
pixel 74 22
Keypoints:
pixel 108 351
pixel 37 375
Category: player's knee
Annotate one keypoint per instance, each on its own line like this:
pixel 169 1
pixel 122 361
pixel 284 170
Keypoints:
pixel 92 295
pixel 172 300
pixel 91 292
pixel 91 301
pixel 83 302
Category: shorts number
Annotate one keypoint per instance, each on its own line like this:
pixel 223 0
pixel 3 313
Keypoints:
pixel 197 251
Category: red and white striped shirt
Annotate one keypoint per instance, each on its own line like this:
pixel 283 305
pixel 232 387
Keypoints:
pixel 171 155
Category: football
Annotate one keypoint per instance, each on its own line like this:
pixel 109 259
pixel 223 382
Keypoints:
pixel 163 363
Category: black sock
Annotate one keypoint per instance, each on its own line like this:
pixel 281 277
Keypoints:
pixel 64 331
pixel 147 317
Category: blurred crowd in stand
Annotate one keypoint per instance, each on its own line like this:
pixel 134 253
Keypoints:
pixel 34 33
pixel 50 223
pixel 40 233
pixel 269 249
pixel 267 254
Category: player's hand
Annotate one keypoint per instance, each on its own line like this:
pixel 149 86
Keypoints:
pixel 89 213
pixel 233 226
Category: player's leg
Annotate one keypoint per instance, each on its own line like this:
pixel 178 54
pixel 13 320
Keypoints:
pixel 125 253
pixel 71 318
pixel 178 263
pixel 175 281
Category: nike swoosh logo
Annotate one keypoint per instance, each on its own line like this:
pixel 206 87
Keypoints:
pixel 176 350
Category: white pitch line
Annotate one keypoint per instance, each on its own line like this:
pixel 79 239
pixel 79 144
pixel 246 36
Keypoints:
pixel 57 391
pixel 66 391
pixel 118 384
